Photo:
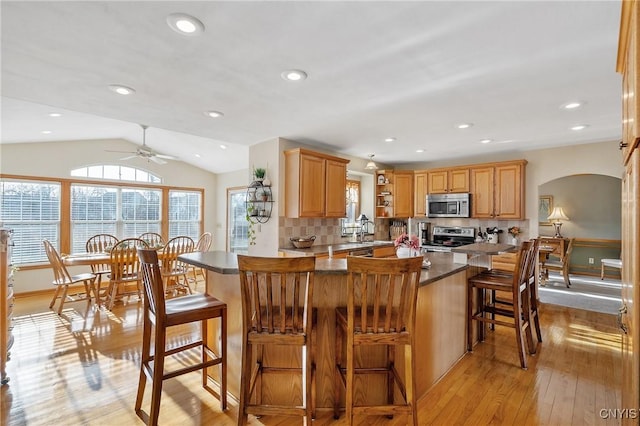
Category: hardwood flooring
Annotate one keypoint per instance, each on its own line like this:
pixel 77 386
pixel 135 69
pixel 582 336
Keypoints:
pixel 82 369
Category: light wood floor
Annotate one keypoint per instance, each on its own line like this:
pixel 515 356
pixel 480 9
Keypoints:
pixel 82 369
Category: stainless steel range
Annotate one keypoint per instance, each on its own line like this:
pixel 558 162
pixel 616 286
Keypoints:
pixel 444 238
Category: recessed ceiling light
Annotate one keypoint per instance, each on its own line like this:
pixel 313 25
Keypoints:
pixel 390 139
pixel 572 105
pixel 419 151
pixel 579 127
pixel 46 132
pixel 486 141
pixel 121 90
pixel 294 75
pixel 213 114
pixel 464 125
pixel 223 147
pixel 185 24
pixel 197 155
pixel 55 114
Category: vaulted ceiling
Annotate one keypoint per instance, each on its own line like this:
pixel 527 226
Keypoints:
pixel 412 71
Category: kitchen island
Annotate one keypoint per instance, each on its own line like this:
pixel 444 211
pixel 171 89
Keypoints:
pixel 440 327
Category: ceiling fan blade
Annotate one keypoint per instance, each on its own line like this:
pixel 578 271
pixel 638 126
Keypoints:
pixel 157 160
pixel 166 157
pixel 122 152
pixel 129 157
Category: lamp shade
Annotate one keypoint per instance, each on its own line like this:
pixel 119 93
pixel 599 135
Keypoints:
pixel 557 214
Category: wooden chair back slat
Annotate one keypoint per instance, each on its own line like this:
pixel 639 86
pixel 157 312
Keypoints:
pixel 387 290
pixel 153 239
pixel 172 249
pixel 276 293
pixel 100 243
pixel 124 262
pixel 151 276
pixel 60 273
pixel 204 242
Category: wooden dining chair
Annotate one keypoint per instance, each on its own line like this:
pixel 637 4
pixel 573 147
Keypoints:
pixel 277 294
pixel 100 243
pixel 153 239
pixel 174 272
pixel 561 265
pixel 62 280
pixel 480 289
pixel 125 269
pixel 202 245
pixel 159 315
pixel 380 311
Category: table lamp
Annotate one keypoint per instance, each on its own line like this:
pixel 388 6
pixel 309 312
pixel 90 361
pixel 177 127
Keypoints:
pixel 556 216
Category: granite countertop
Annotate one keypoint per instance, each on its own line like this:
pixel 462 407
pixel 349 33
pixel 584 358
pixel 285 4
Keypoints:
pixel 484 249
pixel 316 250
pixel 442 264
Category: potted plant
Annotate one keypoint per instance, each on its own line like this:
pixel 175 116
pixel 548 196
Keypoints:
pixel 406 245
pixel 251 232
pixel 259 173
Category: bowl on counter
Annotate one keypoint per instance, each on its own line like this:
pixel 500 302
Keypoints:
pixel 302 242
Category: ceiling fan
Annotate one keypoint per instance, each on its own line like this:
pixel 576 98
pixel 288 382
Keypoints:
pixel 145 152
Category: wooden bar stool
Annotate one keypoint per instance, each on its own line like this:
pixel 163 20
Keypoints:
pixel 380 311
pixel 159 315
pixel 277 296
pixel 516 315
pixel 506 277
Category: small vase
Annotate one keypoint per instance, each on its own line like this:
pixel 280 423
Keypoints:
pixel 266 182
pixel 403 252
pixel 514 241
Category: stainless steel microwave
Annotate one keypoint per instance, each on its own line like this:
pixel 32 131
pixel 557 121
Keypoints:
pixel 448 205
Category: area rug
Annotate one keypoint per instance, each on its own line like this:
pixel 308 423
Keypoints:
pixel 586 292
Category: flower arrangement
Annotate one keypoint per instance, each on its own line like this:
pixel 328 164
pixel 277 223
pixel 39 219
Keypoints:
pixel 514 231
pixel 405 240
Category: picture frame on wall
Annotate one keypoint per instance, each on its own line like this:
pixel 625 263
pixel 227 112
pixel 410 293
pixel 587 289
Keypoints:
pixel 545 207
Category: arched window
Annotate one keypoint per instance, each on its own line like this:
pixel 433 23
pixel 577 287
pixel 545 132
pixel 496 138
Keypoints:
pixel 116 172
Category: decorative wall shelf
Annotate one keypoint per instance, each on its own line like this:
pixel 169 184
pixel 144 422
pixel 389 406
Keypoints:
pixel 259 202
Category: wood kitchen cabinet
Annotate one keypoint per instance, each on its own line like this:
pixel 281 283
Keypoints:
pixel 394 193
pixel 315 184
pixel 629 316
pixel 420 191
pixel 497 190
pixel 445 181
pixel 404 194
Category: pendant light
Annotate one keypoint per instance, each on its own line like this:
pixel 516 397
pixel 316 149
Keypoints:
pixel 371 165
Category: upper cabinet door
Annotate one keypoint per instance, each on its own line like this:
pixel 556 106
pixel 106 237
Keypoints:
pixel 459 180
pixel 448 181
pixel 315 184
pixel 336 184
pixel 628 57
pixel 497 190
pixel 421 189
pixel 482 192
pixel 312 186
pixel 403 206
pixel 509 186
pixel 438 182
